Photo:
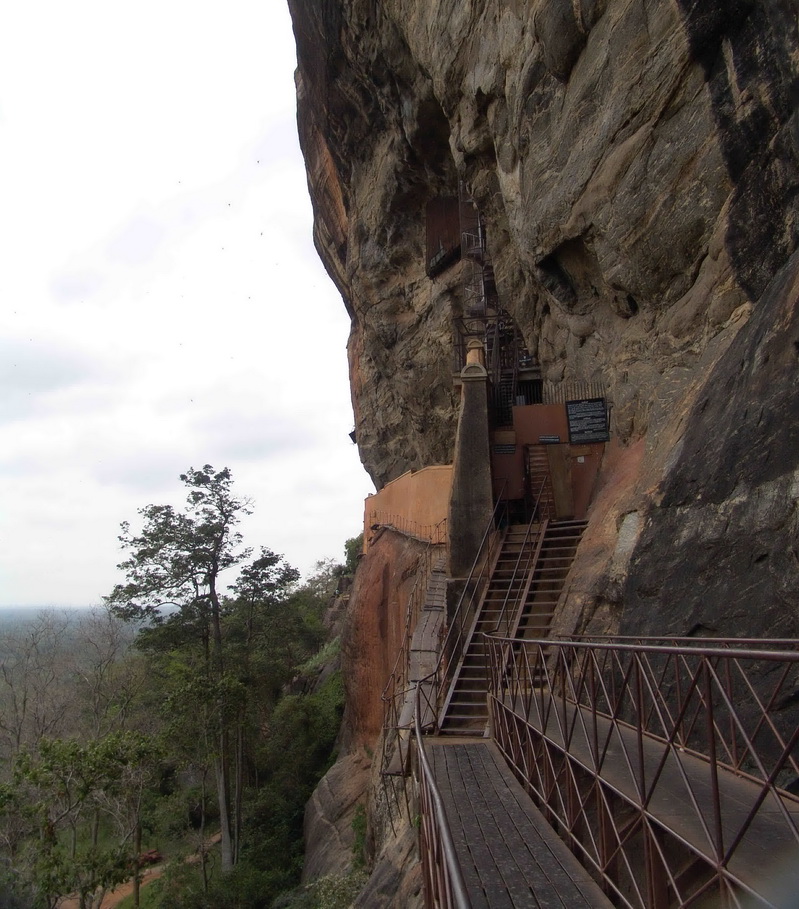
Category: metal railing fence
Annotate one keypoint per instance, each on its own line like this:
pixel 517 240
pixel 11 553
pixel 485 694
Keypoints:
pixel 669 769
pixel 443 880
pixel 397 691
pixel 687 641
pixel 430 533
pixel 444 887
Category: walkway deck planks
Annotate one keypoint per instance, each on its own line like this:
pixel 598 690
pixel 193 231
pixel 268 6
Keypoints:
pixel 510 857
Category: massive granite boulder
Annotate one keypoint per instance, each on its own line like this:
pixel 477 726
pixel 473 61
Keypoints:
pixel 637 166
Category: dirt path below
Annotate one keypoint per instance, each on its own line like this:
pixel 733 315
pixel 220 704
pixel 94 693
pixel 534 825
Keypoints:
pixel 115 897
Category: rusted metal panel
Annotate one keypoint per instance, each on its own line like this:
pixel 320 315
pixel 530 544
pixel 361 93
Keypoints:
pixel 443 234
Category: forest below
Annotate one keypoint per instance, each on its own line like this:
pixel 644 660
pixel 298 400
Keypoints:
pixel 184 723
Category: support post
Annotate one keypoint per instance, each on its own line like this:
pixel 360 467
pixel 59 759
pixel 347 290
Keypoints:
pixel 471 503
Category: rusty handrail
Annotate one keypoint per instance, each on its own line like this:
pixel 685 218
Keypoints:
pixel 684 640
pixel 412 610
pixel 396 689
pixel 666 767
pixel 443 878
pixel 528 568
pixel 444 886
pixel 456 637
pixel 430 533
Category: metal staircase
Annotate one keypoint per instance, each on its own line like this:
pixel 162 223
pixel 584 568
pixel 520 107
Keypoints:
pixel 465 711
pixel 539 478
pixel 558 548
pixel 519 601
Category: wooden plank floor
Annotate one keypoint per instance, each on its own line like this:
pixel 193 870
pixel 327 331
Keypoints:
pixel 510 857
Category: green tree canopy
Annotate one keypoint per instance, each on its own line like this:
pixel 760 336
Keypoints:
pixel 173 587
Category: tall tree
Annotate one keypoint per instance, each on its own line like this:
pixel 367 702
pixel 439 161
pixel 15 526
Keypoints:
pixel 176 561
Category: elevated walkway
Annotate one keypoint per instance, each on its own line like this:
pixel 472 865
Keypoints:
pixel 669 766
pixel 422 658
pixel 510 857
pixel 657 773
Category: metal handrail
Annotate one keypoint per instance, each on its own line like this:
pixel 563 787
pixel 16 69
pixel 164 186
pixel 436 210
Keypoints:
pixel 748 652
pixel 400 669
pixel 529 564
pixel 396 689
pixel 456 638
pixel 444 883
pixel 431 533
pixel 684 640
pixel 653 759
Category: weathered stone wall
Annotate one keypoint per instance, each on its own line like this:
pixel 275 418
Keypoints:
pixel 719 552
pixel 373 630
pixel 417 502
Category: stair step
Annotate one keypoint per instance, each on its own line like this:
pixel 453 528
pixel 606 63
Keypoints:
pixel 470 732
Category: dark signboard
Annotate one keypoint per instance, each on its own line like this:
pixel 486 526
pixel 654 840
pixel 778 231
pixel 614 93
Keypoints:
pixel 548 440
pixel 588 421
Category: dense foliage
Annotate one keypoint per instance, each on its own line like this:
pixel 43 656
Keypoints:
pixel 187 720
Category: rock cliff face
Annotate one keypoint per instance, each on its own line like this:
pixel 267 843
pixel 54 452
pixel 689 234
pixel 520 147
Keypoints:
pixel 637 164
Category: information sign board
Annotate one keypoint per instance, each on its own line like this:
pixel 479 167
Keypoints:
pixel 588 421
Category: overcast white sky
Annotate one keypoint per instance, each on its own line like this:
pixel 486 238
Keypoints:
pixel 162 303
